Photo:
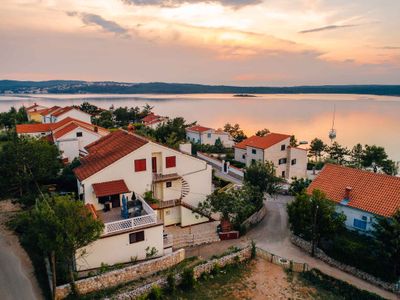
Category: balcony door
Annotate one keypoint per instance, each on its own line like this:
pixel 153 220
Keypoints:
pixel 154 164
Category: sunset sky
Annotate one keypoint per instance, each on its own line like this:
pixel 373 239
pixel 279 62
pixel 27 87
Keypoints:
pixel 249 42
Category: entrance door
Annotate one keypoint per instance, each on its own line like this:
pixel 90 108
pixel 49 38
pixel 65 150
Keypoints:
pixel 154 164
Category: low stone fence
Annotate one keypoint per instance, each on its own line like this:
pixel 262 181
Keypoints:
pixel 283 262
pixel 194 239
pixel 255 218
pixel 124 275
pixel 306 246
pixel 207 267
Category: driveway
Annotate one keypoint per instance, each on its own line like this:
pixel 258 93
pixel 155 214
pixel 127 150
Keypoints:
pixel 17 280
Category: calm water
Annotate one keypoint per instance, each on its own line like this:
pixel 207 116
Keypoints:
pixel 359 118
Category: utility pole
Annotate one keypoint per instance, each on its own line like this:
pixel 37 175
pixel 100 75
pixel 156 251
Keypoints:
pixel 314 229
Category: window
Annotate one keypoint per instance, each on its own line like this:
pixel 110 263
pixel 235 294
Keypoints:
pixel 168 184
pixel 254 151
pixel 283 174
pixel 170 162
pixel 282 161
pixel 140 165
pixel 209 135
pixel 283 147
pixel 294 161
pixel 136 237
pixel 244 156
pixel 360 224
pixel 167 212
pixel 79 134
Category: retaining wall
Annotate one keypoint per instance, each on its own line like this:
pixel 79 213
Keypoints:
pixel 306 246
pixel 124 275
pixel 255 218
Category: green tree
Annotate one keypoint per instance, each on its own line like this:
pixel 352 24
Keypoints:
pixel 171 132
pixel 317 148
pixel 262 132
pixel 389 167
pixel 337 152
pixel 298 186
pixel 356 155
pixel 235 131
pixel 293 141
pixel 373 155
pixel 218 146
pixel 313 217
pixel 263 176
pixel 105 119
pixel 387 236
pixel 58 226
pixel 25 164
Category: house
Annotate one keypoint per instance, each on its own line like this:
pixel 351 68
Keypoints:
pixel 33 112
pixel 70 135
pixel 56 114
pixel 123 165
pixel 359 194
pixel 152 120
pixel 208 136
pixel 275 147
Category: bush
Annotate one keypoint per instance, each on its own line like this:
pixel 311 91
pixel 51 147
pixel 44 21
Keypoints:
pixel 155 293
pixel 171 283
pixel 188 280
pixel 345 290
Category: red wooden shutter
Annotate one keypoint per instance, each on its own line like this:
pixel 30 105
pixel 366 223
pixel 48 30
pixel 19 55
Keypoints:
pixel 140 165
pixel 170 161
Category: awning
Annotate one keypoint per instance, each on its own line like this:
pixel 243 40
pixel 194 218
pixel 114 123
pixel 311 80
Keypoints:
pixel 109 188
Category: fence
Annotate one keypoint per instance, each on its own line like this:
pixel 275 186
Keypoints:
pixel 193 239
pixel 223 166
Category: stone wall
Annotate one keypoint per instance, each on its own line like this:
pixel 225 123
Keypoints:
pixel 124 275
pixel 255 218
pixel 207 267
pixel 306 246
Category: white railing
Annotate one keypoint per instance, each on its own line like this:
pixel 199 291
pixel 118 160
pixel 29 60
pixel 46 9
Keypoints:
pixel 131 223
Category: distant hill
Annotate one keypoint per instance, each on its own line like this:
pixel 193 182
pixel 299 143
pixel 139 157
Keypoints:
pixel 110 87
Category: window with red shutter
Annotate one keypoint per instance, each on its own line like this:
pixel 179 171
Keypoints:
pixel 140 165
pixel 170 161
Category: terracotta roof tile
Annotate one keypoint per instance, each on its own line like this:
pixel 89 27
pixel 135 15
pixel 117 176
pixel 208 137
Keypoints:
pixel 33 128
pixel 62 111
pixel 109 188
pixel 48 111
pixel 106 151
pixel 262 142
pixel 65 130
pixel 198 128
pixel 375 193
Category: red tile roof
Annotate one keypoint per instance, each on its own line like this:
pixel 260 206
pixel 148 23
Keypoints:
pixel 109 188
pixel 262 142
pixel 375 193
pixel 106 151
pixel 48 111
pixel 62 111
pixel 198 128
pixel 150 117
pixel 65 130
pixel 33 128
pixel 68 124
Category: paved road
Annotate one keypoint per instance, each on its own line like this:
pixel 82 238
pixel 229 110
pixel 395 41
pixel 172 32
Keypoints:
pixel 14 282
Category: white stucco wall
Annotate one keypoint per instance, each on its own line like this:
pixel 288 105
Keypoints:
pixel 239 155
pixel 299 169
pixel 117 249
pixel 171 215
pixel 189 218
pixel 193 136
pixel 209 137
pixel 352 213
pixel 258 156
pixel 75 114
pixel 274 154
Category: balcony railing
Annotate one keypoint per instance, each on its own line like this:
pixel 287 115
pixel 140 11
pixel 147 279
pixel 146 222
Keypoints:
pixel 126 224
pixel 168 203
pixel 165 177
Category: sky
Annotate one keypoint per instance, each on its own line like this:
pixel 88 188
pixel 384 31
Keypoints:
pixel 248 42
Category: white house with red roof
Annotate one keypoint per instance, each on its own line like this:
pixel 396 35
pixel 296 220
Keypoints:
pixel 123 165
pixel 56 114
pixel 360 195
pixel 33 112
pixel 152 120
pixel 289 161
pixel 70 135
pixel 208 136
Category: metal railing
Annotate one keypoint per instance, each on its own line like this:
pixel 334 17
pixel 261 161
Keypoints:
pixel 131 223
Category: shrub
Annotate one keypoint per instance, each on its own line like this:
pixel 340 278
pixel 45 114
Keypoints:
pixel 171 283
pixel 188 280
pixel 216 269
pixel 155 293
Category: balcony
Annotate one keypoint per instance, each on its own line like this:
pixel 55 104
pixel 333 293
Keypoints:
pixel 114 222
pixel 168 203
pixel 167 177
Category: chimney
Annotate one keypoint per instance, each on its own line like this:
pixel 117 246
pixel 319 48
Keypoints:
pixel 347 193
pixel 131 128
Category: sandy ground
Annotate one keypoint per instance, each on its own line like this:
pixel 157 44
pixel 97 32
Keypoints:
pixel 17 278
